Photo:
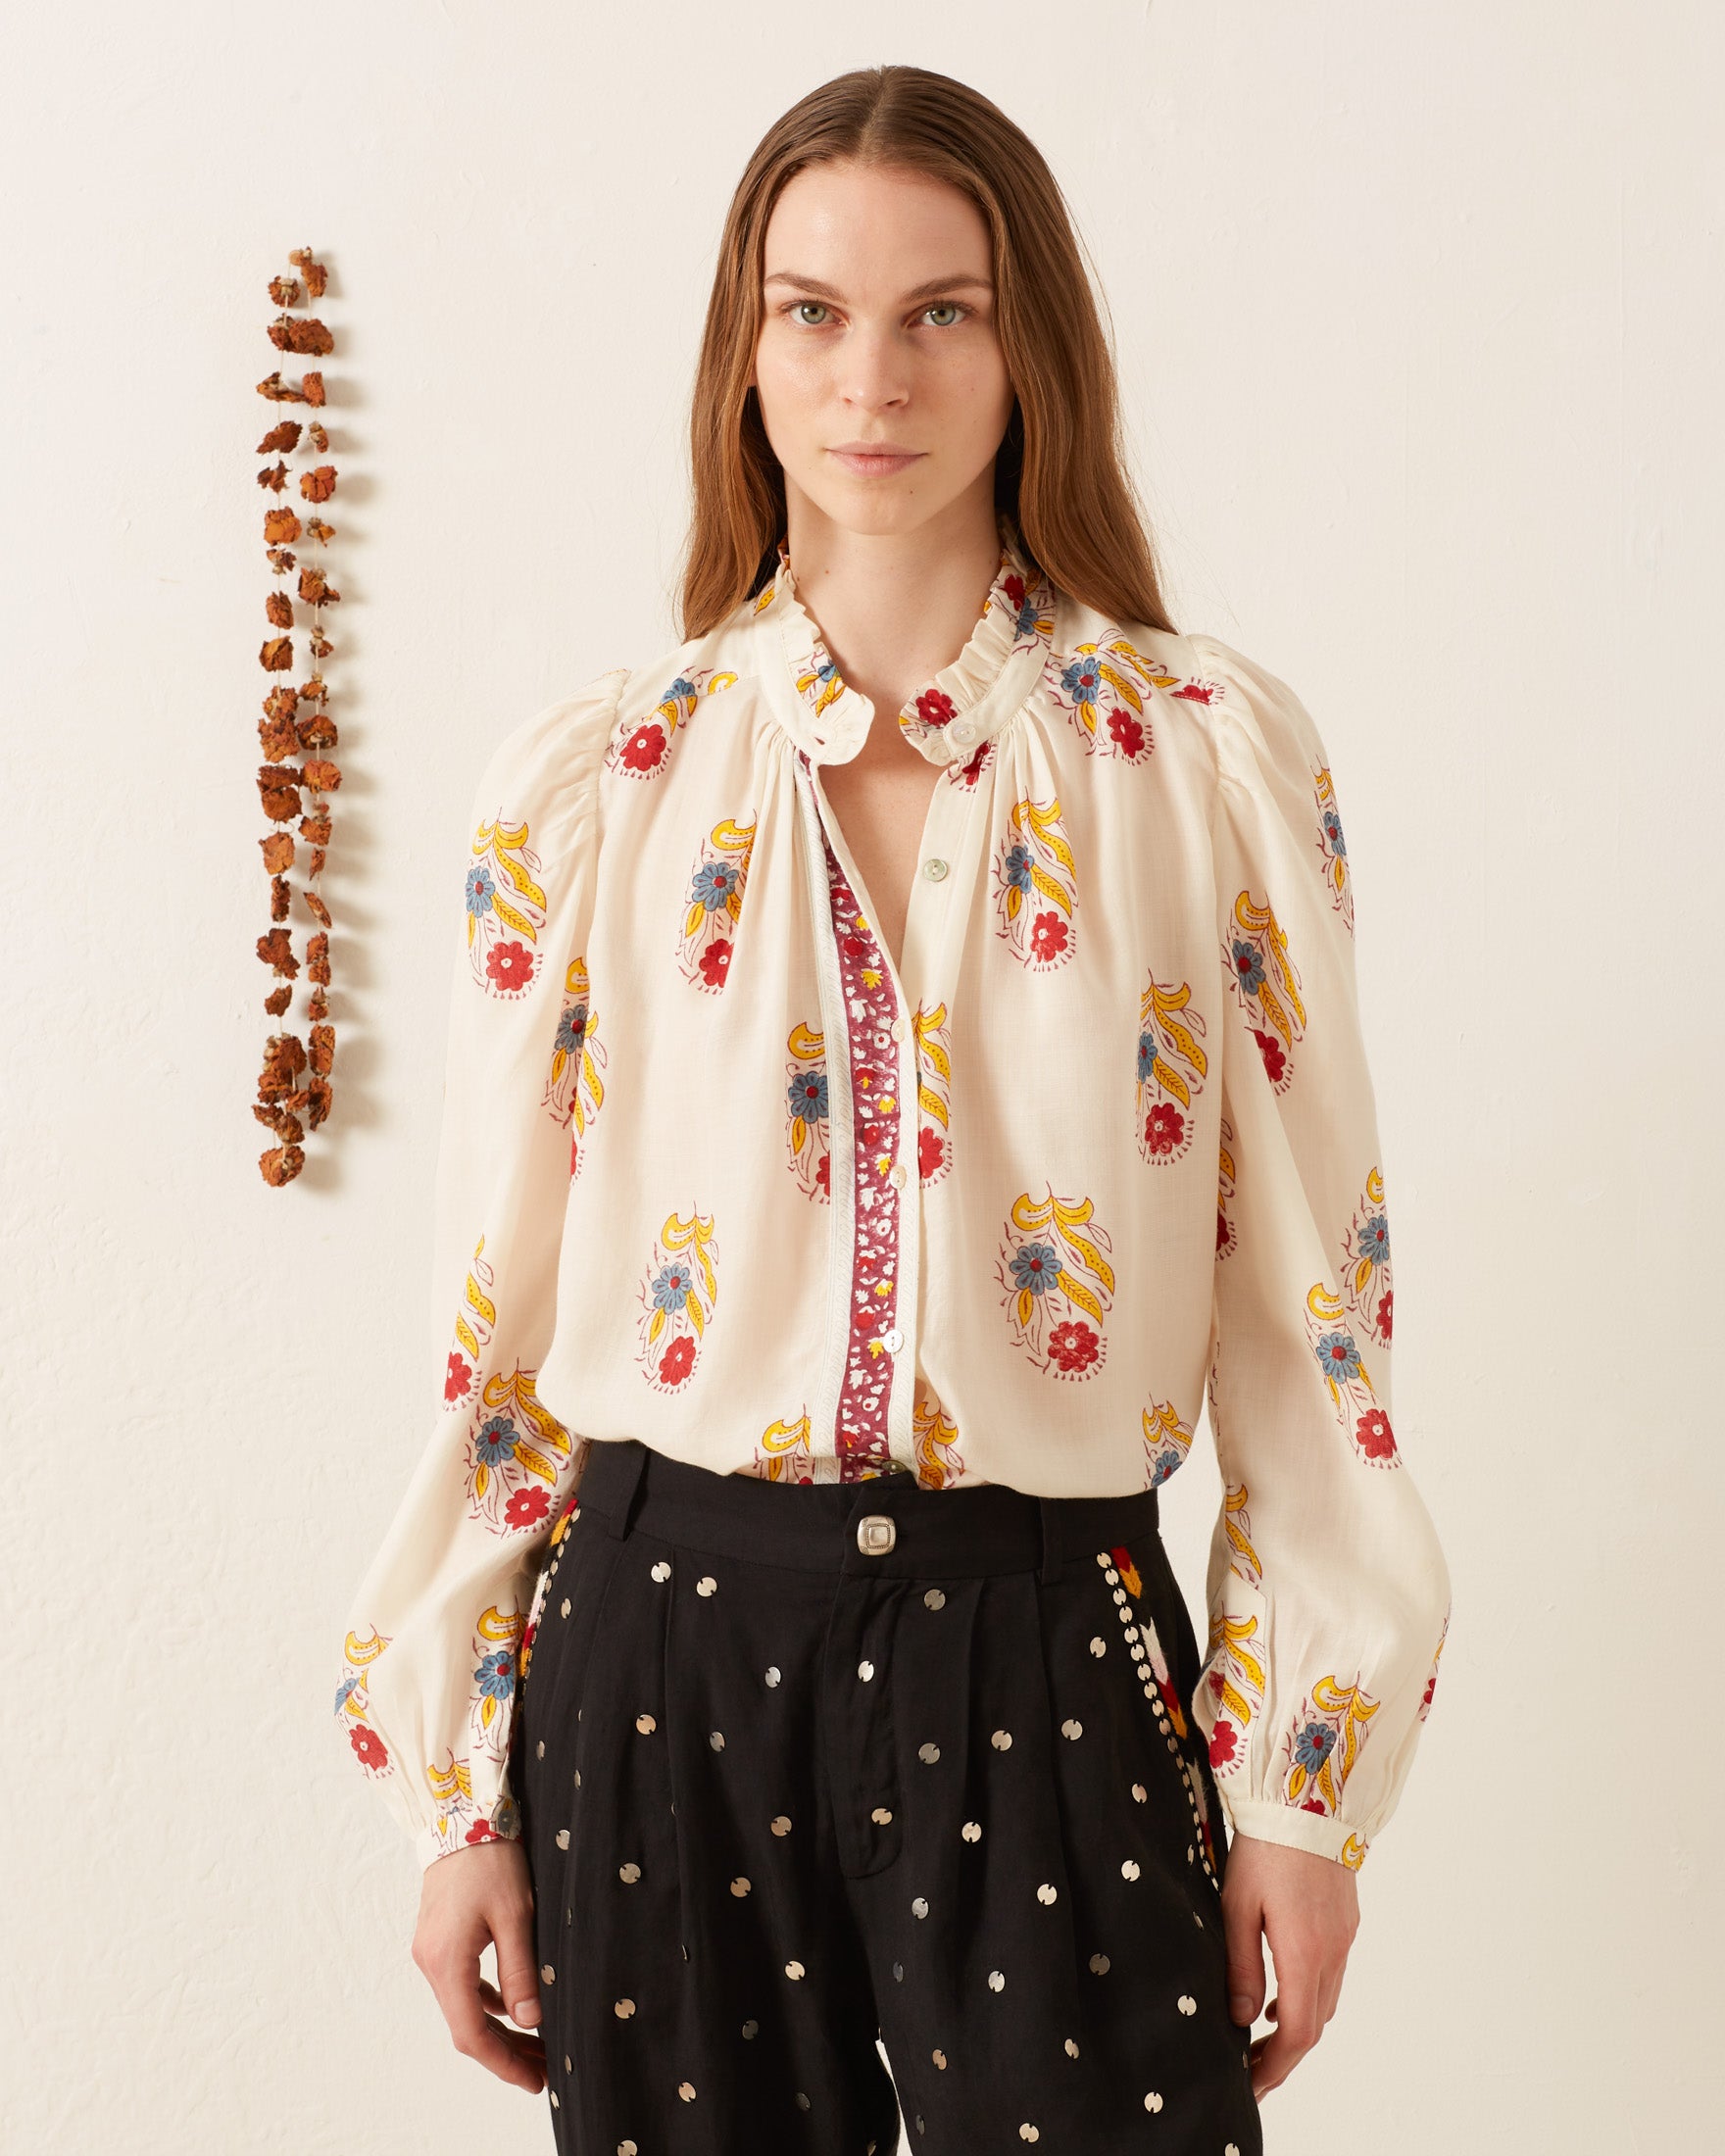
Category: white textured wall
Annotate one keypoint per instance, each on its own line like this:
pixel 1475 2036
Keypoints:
pixel 1419 313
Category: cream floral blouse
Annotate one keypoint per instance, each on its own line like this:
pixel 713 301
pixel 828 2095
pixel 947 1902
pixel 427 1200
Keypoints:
pixel 718 1175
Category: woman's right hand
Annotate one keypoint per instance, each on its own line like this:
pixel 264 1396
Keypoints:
pixel 483 1894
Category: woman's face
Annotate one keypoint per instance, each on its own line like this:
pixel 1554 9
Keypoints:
pixel 879 327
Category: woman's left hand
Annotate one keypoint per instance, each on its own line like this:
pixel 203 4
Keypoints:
pixel 1308 1907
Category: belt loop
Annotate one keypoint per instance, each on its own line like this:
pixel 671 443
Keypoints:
pixel 634 1467
pixel 1051 1543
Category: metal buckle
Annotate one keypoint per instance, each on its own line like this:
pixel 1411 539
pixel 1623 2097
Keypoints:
pixel 876 1532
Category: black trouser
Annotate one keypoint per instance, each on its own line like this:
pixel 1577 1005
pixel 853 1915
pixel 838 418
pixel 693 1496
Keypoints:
pixel 802 1765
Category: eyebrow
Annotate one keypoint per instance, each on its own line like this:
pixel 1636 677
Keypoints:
pixel 831 291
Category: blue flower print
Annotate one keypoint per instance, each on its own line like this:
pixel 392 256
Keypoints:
pixel 715 881
pixel 1333 825
pixel 670 1290
pixel 496 1675
pixel 681 687
pixel 1338 1357
pixel 1082 681
pixel 808 1096
pixel 496 1441
pixel 482 891
pixel 1165 1465
pixel 1248 966
pixel 1146 1055
pixel 573 1030
pixel 348 1685
pixel 1314 1745
pixel 1374 1241
pixel 1036 1266
pixel 1016 866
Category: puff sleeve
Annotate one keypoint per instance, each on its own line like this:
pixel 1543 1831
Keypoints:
pixel 1328 1595
pixel 426 1695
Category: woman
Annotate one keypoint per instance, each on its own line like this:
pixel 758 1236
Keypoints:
pixel 864 1142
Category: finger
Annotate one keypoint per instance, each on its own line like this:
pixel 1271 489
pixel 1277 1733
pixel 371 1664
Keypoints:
pixel 1241 1929
pixel 517 1974
pixel 493 2000
pixel 528 2043
pixel 475 2035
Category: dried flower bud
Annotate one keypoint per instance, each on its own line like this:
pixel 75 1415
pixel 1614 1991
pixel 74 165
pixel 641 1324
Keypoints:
pixel 301 333
pixel 276 952
pixel 278 738
pixel 281 1165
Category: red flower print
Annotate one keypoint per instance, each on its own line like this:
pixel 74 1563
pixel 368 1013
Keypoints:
pixel 1012 584
pixel 967 774
pixel 1271 1049
pixel 511 967
pixel 930 1153
pixel 1431 1685
pixel 1195 692
pixel 457 1382
pixel 1225 1742
pixel 934 708
pixel 1072 1346
pixel 824 1173
pixel 854 946
pixel 1127 732
pixel 1221 1228
pixel 1164 1128
pixel 368 1747
pixel 1048 936
pixel 1385 1313
pixel 644 750
pixel 1313 1804
pixel 574 1157
pixel 482 1830
pixel 528 1507
pixel 1377 1439
pixel 678 1360
pixel 716 964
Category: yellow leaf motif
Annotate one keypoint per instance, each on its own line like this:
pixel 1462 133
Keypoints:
pixel 1121 687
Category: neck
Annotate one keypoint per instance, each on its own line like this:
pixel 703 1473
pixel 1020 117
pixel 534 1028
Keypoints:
pixel 894 607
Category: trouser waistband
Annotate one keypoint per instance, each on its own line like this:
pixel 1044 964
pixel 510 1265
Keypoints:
pixel 833 1527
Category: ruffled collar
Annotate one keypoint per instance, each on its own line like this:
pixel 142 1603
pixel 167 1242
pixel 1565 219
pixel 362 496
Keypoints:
pixel 950 716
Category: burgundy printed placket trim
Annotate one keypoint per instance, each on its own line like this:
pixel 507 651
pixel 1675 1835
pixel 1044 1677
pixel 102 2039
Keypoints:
pixel 871 1008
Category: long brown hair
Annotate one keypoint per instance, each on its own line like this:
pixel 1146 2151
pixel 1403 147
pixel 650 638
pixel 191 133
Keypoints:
pixel 1061 471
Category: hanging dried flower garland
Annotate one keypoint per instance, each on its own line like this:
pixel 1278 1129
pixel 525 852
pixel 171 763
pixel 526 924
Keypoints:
pixel 294 1090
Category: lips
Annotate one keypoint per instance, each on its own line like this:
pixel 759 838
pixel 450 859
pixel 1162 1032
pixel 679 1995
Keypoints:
pixel 876 459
